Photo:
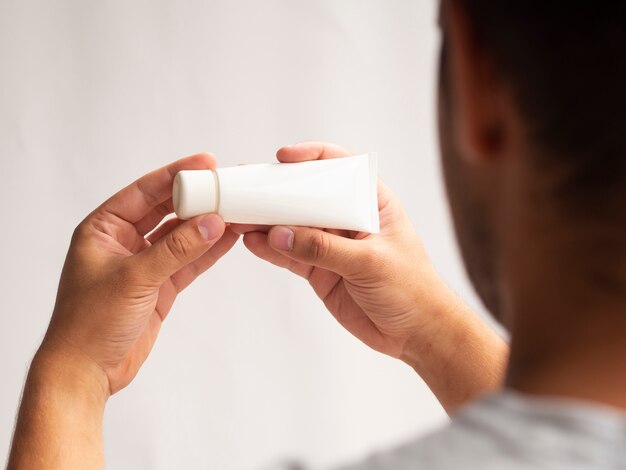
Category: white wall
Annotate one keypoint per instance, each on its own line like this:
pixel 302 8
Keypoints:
pixel 249 367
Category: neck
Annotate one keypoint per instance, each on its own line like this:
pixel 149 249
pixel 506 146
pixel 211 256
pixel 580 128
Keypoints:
pixel 566 309
pixel 571 358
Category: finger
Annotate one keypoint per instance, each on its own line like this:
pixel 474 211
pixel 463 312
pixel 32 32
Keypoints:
pixel 385 196
pixel 322 280
pixel 306 151
pixel 245 228
pixel 189 273
pixel 257 243
pixel 319 248
pixel 137 200
pixel 154 217
pixel 179 247
pixel 164 229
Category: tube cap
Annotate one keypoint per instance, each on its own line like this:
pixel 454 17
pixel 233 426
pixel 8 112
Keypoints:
pixel 194 193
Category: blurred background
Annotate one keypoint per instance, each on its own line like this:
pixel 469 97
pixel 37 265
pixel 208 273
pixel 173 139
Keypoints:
pixel 249 369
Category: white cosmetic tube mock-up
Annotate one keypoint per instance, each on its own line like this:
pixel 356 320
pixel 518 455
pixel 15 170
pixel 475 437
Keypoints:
pixel 339 193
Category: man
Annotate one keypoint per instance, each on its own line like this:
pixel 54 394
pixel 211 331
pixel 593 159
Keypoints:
pixel 533 143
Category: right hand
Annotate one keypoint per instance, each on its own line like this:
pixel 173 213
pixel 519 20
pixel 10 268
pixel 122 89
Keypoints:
pixel 380 287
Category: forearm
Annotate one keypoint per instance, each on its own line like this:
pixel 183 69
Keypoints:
pixel 59 424
pixel 458 356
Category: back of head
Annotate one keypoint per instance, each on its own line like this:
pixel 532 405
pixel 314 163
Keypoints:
pixel 566 64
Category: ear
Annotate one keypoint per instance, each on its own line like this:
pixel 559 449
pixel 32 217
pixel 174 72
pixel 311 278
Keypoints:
pixel 480 99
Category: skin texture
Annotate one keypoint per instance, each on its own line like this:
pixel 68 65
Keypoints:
pixel 539 271
pixel 116 288
pixel 528 262
pixel 383 289
pixel 552 274
pixel 119 282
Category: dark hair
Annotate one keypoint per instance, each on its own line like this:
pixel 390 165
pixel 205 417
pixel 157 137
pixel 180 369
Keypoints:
pixel 566 62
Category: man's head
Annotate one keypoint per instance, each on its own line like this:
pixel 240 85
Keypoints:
pixel 533 133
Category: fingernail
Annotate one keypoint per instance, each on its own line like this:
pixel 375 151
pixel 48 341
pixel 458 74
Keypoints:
pixel 281 238
pixel 210 226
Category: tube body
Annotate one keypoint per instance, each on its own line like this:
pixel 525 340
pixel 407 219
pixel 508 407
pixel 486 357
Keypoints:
pixel 338 193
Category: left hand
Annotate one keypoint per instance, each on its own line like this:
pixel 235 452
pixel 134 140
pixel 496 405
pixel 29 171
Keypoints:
pixel 117 285
pixel 383 289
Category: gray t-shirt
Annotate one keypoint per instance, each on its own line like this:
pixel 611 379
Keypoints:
pixel 513 431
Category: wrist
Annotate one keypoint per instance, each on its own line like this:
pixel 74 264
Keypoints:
pixel 456 353
pixel 68 374
pixel 433 343
pixel 60 418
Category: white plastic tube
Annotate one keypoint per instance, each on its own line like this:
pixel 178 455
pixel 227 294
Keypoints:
pixel 339 193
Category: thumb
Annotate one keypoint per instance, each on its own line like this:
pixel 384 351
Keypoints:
pixel 181 246
pixel 318 248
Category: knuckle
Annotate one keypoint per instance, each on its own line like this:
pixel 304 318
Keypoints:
pixel 179 245
pixel 150 198
pixel 162 209
pixel 319 246
pixel 80 231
